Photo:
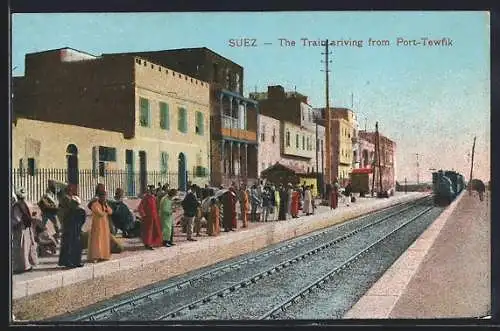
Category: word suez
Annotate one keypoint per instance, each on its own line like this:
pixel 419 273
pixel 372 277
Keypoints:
pixel 242 42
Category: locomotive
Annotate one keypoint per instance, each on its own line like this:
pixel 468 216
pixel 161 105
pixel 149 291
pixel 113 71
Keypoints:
pixel 446 186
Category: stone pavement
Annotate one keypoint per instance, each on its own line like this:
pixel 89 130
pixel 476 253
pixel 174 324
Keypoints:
pixel 444 274
pixel 50 291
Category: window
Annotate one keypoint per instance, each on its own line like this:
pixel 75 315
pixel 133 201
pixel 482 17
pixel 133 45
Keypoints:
pixel 308 144
pixel 273 138
pixel 145 113
pixel 288 138
pixel 31 166
pixel 263 133
pixel 106 154
pixel 182 120
pixel 200 123
pixel 263 165
pixel 310 115
pixel 164 116
pixel 164 162
pixel 303 142
pixel 296 141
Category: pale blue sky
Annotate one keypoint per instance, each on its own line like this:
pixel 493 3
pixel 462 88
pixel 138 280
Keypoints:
pixel 431 101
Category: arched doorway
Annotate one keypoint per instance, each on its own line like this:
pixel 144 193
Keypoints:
pixel 182 172
pixel 72 163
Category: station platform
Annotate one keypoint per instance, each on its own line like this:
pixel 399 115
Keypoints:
pixel 445 273
pixel 49 291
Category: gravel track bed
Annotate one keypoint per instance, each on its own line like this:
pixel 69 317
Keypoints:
pixel 334 299
pixel 256 299
pixel 175 298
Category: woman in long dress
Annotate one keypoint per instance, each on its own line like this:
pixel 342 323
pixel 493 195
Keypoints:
pixel 167 220
pixel 99 248
pixel 24 249
pixel 71 244
pixel 307 201
pixel 295 203
pixel 335 194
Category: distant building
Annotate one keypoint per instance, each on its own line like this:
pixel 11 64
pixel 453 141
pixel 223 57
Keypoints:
pixel 234 124
pixel 78 111
pixel 269 142
pixel 387 158
pixel 297 128
pixel 343 142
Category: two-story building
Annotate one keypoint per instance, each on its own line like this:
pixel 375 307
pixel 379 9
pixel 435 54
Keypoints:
pixel 107 113
pixel 297 126
pixel 234 118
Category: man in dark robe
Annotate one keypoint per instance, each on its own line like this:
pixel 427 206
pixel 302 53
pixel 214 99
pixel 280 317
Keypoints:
pixel 71 244
pixel 229 210
pixel 283 203
pixel 190 206
pixel 122 217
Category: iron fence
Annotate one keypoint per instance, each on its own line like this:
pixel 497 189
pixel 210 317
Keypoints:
pixel 35 182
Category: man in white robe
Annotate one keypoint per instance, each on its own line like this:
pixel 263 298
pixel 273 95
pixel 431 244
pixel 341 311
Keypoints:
pixel 24 250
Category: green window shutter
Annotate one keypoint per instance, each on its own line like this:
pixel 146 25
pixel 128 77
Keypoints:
pixel 164 116
pixel 145 114
pixel 182 121
pixel 164 162
pixel 200 129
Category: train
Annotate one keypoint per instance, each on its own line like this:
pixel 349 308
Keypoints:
pixel 446 186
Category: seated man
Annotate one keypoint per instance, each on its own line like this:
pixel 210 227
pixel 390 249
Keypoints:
pixel 47 244
pixel 122 217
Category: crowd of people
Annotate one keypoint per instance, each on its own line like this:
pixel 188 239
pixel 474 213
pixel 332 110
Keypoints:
pixel 212 209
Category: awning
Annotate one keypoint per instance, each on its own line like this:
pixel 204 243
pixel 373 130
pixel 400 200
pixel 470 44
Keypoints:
pixel 362 171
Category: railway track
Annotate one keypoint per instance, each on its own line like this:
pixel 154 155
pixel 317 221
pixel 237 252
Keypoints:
pixel 129 307
pixel 272 313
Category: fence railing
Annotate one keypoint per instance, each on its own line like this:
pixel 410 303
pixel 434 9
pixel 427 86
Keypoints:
pixel 35 182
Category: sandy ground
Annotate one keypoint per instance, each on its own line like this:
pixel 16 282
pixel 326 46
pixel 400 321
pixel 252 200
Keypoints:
pixel 454 279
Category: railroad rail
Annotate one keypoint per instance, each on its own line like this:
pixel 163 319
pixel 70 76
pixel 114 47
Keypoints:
pixel 147 296
pixel 277 268
pixel 316 284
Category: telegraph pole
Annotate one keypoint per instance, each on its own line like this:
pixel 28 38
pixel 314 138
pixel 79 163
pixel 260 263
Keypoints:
pixel 328 133
pixel 471 166
pixel 418 169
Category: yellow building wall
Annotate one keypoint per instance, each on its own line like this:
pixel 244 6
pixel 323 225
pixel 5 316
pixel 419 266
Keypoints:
pixel 345 148
pixel 176 90
pixel 308 152
pixel 53 139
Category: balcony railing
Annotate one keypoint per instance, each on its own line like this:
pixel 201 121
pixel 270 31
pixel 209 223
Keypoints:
pixel 233 127
pixel 229 122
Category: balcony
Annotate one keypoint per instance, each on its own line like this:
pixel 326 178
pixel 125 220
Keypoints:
pixel 239 134
pixel 234 128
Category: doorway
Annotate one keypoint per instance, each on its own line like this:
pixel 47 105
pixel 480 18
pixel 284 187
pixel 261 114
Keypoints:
pixel 72 164
pixel 182 172
pixel 143 173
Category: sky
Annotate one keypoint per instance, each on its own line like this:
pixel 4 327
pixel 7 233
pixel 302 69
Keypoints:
pixel 431 100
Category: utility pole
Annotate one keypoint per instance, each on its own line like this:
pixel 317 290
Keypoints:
pixel 418 169
pixel 352 101
pixel 328 133
pixel 378 158
pixel 471 166
pixel 318 180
